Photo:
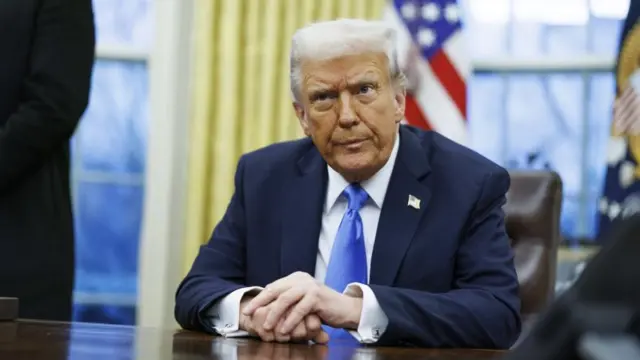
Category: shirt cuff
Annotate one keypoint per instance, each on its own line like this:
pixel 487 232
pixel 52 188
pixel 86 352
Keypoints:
pixel 373 320
pixel 224 316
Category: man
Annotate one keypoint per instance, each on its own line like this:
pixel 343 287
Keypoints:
pixel 365 230
pixel 45 71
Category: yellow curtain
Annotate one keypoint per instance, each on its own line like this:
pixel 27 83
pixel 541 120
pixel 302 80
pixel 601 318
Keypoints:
pixel 241 98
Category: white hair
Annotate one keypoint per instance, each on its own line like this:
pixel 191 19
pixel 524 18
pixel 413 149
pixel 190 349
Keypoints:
pixel 336 38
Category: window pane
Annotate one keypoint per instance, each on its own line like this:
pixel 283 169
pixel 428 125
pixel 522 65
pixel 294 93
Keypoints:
pixel 522 28
pixel 485 22
pixel 535 39
pixel 601 95
pixel 486 116
pixel 123 23
pixel 565 40
pixel 545 125
pixel 108 223
pixel 112 134
pixel 604 36
pixel 525 39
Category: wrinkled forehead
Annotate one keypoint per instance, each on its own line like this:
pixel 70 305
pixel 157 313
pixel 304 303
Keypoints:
pixel 373 67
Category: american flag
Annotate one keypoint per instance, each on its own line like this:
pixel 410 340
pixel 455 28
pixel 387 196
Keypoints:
pixel 434 57
pixel 626 109
pixel 621 194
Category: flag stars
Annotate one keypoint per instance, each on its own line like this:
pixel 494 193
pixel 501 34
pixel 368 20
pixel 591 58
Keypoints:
pixel 614 210
pixel 430 12
pixel 603 205
pixel 426 37
pixel 452 13
pixel 627 174
pixel 408 11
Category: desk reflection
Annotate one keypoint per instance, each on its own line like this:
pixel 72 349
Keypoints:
pixel 255 350
pixel 35 340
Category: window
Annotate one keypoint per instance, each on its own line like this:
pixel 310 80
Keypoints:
pixel 108 162
pixel 542 92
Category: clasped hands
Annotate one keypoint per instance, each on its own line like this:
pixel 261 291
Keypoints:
pixel 294 308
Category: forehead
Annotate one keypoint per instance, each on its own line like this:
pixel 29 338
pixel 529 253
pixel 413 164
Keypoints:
pixel 331 72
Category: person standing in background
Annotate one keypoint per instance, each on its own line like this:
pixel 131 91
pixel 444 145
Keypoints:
pixel 47 50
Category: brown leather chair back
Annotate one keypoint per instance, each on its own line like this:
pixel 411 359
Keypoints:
pixel 533 225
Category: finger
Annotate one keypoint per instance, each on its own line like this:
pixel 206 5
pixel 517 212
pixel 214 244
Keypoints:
pixel 299 311
pixel 270 293
pixel 256 323
pixel 265 297
pixel 313 324
pixel 282 338
pixel 265 335
pixel 321 338
pixel 300 332
pixel 283 303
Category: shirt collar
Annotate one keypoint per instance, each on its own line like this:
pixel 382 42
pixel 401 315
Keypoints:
pixel 376 186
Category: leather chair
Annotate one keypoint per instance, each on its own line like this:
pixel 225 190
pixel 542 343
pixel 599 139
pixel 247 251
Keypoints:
pixel 533 225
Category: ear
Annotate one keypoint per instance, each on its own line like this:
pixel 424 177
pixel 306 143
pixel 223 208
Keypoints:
pixel 302 118
pixel 400 100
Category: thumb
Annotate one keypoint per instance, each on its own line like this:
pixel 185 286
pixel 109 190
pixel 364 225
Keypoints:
pixel 321 338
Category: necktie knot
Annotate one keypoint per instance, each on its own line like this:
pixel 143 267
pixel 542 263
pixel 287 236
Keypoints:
pixel 356 196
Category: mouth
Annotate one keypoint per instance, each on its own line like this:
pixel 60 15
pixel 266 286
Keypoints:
pixel 351 142
pixel 352 145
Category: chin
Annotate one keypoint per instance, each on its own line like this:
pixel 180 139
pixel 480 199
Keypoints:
pixel 355 165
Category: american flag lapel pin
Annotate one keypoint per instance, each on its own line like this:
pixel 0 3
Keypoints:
pixel 414 202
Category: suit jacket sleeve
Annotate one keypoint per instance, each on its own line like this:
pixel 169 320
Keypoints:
pixel 55 91
pixel 482 310
pixel 219 268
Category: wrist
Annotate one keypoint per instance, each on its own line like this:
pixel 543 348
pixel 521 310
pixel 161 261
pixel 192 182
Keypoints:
pixel 243 320
pixel 352 317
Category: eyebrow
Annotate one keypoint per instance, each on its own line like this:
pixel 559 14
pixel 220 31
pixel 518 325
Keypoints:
pixel 315 92
pixel 366 79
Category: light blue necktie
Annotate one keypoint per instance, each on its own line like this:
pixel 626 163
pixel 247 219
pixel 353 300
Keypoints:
pixel 348 262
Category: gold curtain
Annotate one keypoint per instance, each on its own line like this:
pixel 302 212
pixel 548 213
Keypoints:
pixel 241 98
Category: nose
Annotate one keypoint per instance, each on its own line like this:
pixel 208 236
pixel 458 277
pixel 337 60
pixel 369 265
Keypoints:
pixel 347 116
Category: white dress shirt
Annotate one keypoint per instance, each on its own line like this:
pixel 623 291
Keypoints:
pixel 225 313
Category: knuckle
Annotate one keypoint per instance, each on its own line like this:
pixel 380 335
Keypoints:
pixel 298 314
pixel 313 322
pixel 268 290
pixel 262 334
pixel 314 292
pixel 287 298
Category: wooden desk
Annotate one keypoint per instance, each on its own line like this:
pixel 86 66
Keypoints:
pixel 63 341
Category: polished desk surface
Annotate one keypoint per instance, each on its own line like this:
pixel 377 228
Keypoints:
pixel 35 340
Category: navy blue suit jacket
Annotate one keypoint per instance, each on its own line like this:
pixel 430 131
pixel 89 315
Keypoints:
pixel 444 274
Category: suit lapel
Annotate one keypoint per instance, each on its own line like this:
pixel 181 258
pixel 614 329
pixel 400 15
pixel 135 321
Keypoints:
pixel 399 219
pixel 302 214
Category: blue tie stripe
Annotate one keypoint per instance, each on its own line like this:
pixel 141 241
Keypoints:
pixel 348 262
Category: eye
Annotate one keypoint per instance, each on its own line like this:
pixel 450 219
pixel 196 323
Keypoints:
pixel 322 96
pixel 366 89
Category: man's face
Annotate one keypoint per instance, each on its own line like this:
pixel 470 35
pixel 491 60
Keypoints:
pixel 351 111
